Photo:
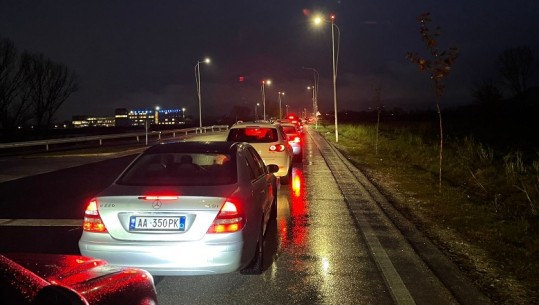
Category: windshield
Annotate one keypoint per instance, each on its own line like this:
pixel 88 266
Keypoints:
pixel 181 169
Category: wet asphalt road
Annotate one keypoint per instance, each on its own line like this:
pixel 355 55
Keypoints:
pixel 313 254
pixel 336 239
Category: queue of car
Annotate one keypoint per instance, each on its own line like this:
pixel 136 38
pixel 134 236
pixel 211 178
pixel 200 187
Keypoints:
pixel 181 208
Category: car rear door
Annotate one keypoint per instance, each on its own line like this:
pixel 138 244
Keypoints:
pixel 262 181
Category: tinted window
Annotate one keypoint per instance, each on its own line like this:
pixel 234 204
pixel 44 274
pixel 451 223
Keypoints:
pixel 256 163
pixel 253 135
pixel 289 129
pixel 181 169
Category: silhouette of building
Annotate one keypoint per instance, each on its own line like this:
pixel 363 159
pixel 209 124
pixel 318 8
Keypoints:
pixel 125 118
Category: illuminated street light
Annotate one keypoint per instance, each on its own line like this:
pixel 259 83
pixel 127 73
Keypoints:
pixel 156 116
pixel 263 88
pixel 197 79
pixel 318 20
pixel 280 107
pixel 256 111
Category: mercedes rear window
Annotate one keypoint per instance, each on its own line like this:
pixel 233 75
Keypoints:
pixel 181 169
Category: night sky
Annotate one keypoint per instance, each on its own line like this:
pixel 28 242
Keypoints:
pixel 141 54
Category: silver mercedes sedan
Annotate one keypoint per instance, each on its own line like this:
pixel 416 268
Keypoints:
pixel 185 208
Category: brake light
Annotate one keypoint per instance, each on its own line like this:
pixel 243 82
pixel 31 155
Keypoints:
pixel 277 147
pixel 296 140
pixel 152 197
pixel 229 219
pixel 92 219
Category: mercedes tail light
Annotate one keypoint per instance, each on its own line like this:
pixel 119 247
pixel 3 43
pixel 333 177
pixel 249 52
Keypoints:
pixel 277 147
pixel 92 219
pixel 229 220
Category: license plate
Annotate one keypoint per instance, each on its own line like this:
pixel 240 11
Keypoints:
pixel 146 223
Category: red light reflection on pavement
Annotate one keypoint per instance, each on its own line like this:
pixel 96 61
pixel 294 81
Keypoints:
pixel 294 229
pixel 296 182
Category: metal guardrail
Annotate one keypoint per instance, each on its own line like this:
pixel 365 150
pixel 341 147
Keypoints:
pixel 100 138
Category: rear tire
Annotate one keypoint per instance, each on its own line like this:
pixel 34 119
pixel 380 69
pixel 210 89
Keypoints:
pixel 286 179
pixel 273 213
pixel 255 266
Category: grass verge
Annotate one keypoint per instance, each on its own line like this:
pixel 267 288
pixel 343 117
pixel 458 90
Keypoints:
pixel 483 218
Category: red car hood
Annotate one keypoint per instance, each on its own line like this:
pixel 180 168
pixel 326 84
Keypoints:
pixel 94 279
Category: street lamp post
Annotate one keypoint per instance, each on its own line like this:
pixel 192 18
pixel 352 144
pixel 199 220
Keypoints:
pixel 315 92
pixel 183 116
pixel 287 110
pixel 263 88
pixel 280 107
pixel 335 58
pixel 197 79
pixel 156 116
pixel 256 111
pixel 146 125
pixel 313 88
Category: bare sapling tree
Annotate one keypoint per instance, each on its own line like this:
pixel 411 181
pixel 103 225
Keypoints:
pixel 50 85
pixel 516 67
pixel 438 64
pixel 14 103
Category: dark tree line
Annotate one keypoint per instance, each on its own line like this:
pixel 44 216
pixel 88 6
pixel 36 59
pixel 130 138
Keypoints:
pixel 516 67
pixel 32 87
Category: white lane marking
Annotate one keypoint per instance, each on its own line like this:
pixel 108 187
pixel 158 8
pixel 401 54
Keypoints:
pixel 41 222
pixel 398 289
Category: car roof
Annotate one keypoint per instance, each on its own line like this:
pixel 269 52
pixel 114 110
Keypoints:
pixel 253 124
pixel 195 147
pixel 288 124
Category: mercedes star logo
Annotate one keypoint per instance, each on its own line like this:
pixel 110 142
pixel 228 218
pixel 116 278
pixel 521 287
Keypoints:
pixel 156 204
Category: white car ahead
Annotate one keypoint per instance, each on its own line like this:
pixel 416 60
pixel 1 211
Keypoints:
pixel 271 143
